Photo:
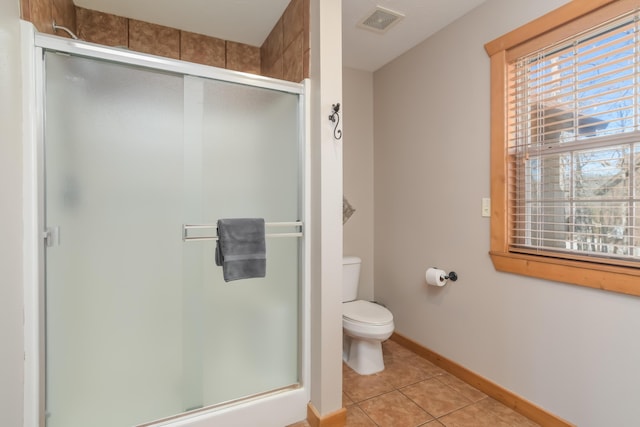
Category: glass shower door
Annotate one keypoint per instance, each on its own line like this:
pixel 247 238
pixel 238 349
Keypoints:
pixel 113 171
pixel 250 156
pixel 139 323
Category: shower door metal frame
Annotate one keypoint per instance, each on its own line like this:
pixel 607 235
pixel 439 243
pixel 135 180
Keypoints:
pixel 259 407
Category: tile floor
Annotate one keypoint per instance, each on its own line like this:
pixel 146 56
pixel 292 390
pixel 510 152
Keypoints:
pixel 413 392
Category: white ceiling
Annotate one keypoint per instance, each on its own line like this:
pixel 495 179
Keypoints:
pixel 367 50
pixel 250 21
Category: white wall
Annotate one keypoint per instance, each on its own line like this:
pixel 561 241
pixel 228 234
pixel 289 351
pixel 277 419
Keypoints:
pixel 358 172
pixel 572 350
pixel 11 337
pixel 326 208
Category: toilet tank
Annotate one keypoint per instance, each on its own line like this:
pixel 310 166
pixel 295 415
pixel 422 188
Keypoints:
pixel 350 277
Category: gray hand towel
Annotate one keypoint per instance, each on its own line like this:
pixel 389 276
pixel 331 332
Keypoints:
pixel 241 248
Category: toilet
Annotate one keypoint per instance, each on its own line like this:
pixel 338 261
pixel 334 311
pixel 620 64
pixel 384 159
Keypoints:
pixel 365 324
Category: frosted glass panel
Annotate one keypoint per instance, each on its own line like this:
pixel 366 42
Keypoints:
pixel 250 153
pixel 114 188
pixel 140 324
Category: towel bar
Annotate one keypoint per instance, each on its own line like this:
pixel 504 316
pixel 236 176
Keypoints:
pixel 187 227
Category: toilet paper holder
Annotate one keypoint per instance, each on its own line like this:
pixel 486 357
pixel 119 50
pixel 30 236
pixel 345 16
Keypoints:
pixel 451 276
pixel 436 277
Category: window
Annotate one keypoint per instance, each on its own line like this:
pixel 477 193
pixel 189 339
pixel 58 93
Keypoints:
pixel 566 146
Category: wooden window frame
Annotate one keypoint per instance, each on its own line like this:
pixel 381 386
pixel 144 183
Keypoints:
pixel 564 22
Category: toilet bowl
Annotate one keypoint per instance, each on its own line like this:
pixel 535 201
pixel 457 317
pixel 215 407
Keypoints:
pixel 365 324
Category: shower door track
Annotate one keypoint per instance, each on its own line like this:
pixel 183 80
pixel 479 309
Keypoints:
pixel 193 413
pixel 257 408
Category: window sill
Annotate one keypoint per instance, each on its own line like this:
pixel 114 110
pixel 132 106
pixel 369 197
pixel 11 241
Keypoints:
pixel 612 278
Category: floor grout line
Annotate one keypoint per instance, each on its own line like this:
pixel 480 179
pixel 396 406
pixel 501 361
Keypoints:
pixel 367 415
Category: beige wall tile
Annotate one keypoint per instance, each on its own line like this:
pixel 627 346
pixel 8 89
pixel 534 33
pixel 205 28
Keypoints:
pixel 292 22
pixel 102 28
pixel 272 48
pixel 288 42
pixel 284 54
pixel 292 60
pixel 154 39
pixel 274 70
pixel 242 57
pixel 306 10
pixel 25 10
pixel 41 13
pixel 64 13
pixel 202 49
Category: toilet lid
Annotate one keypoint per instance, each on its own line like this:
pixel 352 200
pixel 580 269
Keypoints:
pixel 366 312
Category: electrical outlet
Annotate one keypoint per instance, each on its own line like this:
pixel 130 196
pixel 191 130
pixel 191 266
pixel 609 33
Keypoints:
pixel 486 207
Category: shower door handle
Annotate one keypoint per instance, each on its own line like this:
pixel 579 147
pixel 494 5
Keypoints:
pixel 51 237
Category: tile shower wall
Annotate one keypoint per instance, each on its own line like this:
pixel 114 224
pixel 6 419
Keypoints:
pixel 42 13
pixel 102 28
pixel 284 54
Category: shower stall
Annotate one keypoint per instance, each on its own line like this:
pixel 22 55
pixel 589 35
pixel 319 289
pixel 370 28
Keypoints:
pixel 138 158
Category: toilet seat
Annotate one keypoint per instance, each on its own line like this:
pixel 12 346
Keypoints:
pixel 367 313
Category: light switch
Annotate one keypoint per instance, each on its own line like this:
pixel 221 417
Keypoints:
pixel 486 207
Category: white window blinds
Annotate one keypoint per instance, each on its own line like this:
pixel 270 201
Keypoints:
pixel 574 146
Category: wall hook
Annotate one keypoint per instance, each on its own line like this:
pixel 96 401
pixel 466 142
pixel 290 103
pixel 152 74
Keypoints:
pixel 337 133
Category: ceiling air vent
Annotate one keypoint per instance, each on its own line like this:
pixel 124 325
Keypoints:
pixel 380 20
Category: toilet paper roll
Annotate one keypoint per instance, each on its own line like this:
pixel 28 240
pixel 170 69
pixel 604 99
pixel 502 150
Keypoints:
pixel 436 277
